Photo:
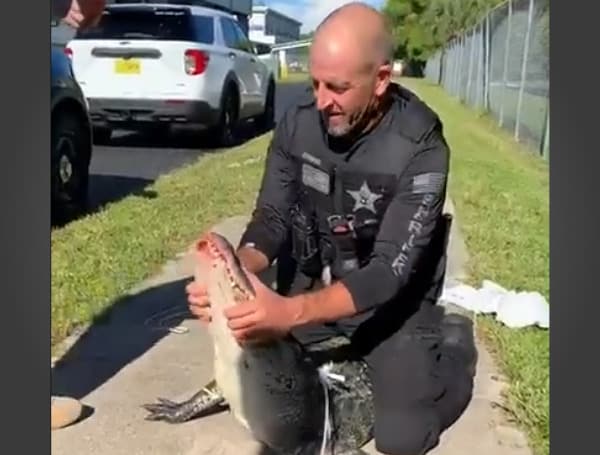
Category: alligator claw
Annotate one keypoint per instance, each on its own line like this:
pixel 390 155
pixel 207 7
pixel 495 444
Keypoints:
pixel 167 402
pixel 206 400
pixel 164 410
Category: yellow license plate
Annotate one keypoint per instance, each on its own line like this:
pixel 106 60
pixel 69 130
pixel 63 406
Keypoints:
pixel 127 66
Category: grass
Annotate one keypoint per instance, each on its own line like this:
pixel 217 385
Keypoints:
pixel 294 77
pixel 501 193
pixel 97 259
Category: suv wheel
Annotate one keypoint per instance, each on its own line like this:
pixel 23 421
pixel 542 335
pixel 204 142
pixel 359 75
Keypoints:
pixel 70 151
pixel 102 135
pixel 227 129
pixel 267 120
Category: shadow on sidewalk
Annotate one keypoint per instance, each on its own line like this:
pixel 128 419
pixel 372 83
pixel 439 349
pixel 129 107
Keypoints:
pixel 120 335
pixel 123 333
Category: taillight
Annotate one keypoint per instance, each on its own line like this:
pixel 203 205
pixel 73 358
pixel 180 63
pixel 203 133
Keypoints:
pixel 195 61
pixel 69 52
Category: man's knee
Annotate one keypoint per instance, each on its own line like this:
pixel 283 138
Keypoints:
pixel 406 417
pixel 407 387
pixel 402 432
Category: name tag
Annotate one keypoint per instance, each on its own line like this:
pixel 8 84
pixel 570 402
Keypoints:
pixel 316 178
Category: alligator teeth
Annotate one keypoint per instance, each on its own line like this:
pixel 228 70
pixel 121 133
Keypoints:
pixel 217 257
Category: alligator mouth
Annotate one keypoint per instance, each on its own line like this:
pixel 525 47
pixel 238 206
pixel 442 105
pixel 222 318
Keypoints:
pixel 215 250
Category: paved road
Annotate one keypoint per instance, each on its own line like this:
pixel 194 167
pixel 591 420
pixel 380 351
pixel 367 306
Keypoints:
pixel 132 162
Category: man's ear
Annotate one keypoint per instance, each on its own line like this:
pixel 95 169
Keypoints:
pixel 383 79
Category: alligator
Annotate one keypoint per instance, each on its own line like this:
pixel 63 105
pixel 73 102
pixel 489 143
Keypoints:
pixel 295 400
pixel 286 395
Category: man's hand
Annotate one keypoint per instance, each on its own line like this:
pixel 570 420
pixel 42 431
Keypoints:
pixel 84 13
pixel 198 300
pixel 253 261
pixel 267 316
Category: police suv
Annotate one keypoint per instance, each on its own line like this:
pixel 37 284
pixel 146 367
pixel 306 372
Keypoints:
pixel 152 64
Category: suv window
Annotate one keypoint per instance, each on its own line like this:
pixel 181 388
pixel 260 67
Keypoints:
pixel 243 41
pixel 229 34
pixel 204 27
pixel 234 36
pixel 155 23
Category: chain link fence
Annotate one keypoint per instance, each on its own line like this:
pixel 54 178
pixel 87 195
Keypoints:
pixel 502 66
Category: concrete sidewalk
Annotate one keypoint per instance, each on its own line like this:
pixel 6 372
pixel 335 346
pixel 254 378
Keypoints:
pixel 128 360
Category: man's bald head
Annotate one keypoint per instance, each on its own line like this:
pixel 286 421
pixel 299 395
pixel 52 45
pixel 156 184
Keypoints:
pixel 357 27
pixel 350 67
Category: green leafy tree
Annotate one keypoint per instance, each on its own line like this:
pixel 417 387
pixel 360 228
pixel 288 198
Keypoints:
pixel 421 27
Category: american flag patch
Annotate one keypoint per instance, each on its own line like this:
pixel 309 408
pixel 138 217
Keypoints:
pixel 431 182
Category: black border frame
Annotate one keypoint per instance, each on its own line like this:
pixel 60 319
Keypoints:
pixel 26 227
pixel 574 228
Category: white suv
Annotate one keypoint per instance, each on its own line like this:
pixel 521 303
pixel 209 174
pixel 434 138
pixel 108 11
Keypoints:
pixel 167 64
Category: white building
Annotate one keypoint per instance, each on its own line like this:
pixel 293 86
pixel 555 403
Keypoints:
pixel 272 27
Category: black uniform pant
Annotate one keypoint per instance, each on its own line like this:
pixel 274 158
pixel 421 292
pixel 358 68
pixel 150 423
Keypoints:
pixel 420 388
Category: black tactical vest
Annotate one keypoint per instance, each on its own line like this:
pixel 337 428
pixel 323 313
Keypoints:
pixel 341 203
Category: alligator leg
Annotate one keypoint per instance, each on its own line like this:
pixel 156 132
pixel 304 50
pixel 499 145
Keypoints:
pixel 207 400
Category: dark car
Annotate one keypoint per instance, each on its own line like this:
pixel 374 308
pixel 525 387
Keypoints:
pixel 71 141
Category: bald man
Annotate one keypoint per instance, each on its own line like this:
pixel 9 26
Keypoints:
pixel 352 197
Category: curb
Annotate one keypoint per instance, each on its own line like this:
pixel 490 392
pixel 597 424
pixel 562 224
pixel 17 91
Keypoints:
pixel 458 255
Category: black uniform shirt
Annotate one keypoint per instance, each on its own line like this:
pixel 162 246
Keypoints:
pixel 408 143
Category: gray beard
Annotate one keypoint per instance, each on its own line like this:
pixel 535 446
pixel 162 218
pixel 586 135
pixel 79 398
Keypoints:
pixel 358 120
pixel 347 128
pixel 339 131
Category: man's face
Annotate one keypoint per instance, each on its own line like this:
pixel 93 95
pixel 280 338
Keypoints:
pixel 343 85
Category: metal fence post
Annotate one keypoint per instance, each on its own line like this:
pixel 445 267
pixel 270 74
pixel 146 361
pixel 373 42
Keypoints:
pixel 458 63
pixel 505 69
pixel 524 70
pixel 450 67
pixel 453 74
pixel 440 57
pixel 457 66
pixel 487 64
pixel 461 65
pixel 480 58
pixel 546 140
pixel 471 57
pixel 443 65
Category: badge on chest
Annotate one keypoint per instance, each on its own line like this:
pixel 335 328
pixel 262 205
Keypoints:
pixel 364 198
pixel 315 178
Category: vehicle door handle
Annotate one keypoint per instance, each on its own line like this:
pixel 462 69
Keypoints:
pixel 252 59
pixel 231 55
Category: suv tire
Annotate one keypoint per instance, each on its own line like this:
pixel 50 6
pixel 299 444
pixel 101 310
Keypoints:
pixel 102 135
pixel 69 165
pixel 266 121
pixel 227 130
